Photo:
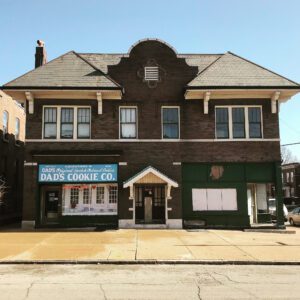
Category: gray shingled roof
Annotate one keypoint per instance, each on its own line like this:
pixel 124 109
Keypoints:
pixel 101 61
pixel 89 70
pixel 231 70
pixel 68 70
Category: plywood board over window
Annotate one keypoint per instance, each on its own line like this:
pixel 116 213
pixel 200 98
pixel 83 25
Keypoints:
pixel 214 199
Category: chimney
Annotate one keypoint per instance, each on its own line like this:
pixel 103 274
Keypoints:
pixel 40 54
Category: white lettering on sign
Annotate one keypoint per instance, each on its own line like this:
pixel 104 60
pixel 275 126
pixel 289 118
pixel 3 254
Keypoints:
pixel 77 173
pixel 106 176
pixel 52 177
pixel 82 177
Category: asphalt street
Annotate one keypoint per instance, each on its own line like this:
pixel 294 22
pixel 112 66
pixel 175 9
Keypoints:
pixel 91 282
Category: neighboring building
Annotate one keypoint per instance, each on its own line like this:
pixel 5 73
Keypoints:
pixel 291 183
pixel 151 138
pixel 12 135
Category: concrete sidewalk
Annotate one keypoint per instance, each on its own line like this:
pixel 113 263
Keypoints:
pixel 150 245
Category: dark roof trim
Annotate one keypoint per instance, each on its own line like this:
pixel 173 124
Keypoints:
pixel 59 88
pixel 242 87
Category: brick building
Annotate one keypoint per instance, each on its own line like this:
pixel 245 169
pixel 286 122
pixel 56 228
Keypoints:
pixel 151 138
pixel 291 182
pixel 12 135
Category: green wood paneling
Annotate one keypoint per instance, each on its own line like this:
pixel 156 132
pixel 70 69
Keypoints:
pixel 235 175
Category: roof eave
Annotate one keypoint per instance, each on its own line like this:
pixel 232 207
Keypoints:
pixel 4 87
pixel 238 87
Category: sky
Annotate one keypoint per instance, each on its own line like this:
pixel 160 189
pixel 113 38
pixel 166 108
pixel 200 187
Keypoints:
pixel 264 31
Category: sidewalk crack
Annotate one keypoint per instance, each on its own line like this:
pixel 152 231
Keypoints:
pixel 198 290
pixel 103 291
pixel 28 290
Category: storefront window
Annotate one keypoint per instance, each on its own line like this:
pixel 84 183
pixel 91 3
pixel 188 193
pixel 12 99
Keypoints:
pixel 90 199
pixel 100 195
pixel 86 196
pixel 113 194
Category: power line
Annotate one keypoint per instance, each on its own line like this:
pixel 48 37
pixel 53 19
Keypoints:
pixel 297 143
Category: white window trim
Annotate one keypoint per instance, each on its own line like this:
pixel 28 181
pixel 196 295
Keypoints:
pixel 58 125
pixel 93 200
pixel 136 121
pixel 162 122
pixel 247 138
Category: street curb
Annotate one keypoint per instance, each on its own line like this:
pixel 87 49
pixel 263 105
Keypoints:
pixel 148 262
pixel 279 231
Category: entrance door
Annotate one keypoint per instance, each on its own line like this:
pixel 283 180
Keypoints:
pixel 150 204
pixel 51 205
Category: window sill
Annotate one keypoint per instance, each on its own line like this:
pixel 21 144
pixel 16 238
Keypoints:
pixel 239 140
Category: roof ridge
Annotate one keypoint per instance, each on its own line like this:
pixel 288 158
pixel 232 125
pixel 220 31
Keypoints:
pixel 41 66
pixel 264 68
pixel 126 54
pixel 97 69
pixel 207 67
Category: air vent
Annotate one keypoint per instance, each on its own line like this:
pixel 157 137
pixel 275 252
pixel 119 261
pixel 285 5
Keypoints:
pixel 151 74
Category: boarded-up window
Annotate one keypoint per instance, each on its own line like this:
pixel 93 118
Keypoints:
pixel 214 199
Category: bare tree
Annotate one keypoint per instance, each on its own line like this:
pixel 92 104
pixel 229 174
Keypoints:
pixel 287 156
pixel 3 188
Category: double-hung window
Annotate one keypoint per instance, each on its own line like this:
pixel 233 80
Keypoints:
pixel 222 123
pixel 83 123
pixel 50 122
pixel 66 123
pixel 238 122
pixel 128 122
pixel 254 116
pixel 170 122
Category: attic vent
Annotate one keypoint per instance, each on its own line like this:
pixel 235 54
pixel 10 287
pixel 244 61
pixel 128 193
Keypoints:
pixel 151 74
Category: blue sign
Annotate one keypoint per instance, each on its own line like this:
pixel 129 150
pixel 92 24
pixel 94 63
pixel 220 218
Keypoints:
pixel 78 173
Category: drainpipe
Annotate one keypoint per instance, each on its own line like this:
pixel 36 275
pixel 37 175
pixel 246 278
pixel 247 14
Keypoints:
pixel 279 197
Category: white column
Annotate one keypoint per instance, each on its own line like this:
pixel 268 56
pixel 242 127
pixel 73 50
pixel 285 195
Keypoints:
pixel 99 99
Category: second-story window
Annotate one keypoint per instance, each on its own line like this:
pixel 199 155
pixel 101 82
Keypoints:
pixel 66 123
pixel 254 116
pixel 5 124
pixel 222 123
pixel 128 122
pixel 83 123
pixel 236 122
pixel 50 119
pixel 17 129
pixel 170 122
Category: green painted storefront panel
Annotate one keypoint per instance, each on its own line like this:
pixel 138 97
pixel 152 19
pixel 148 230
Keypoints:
pixel 260 172
pixel 231 173
pixel 234 175
pixel 217 218
pixel 192 172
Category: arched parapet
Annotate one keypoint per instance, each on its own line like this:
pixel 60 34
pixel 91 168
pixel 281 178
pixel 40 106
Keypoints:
pixel 151 40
